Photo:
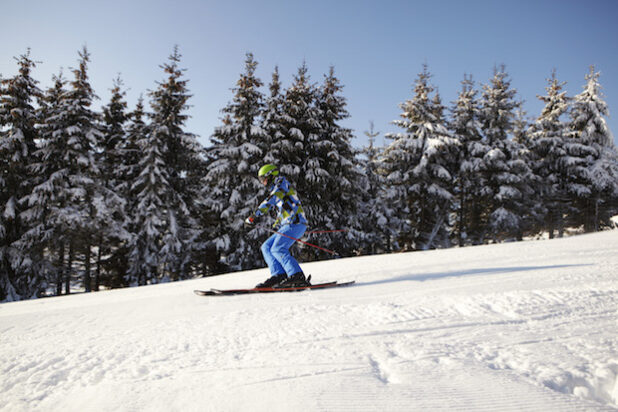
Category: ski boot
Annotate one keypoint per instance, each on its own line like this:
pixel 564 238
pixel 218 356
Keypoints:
pixel 272 281
pixel 295 281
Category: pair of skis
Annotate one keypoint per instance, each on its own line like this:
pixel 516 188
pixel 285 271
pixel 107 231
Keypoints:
pixel 227 292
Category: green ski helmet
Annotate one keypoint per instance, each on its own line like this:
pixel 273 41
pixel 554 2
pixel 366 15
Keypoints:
pixel 268 172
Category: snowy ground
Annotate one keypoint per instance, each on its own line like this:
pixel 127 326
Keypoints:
pixel 520 326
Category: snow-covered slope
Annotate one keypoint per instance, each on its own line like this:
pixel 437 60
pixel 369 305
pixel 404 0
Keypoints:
pixel 520 326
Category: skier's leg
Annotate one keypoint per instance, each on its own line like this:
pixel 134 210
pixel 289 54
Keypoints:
pixel 281 248
pixel 272 262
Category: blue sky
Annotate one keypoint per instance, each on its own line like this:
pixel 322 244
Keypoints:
pixel 376 47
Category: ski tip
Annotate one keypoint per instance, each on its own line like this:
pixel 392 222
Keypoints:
pixel 204 292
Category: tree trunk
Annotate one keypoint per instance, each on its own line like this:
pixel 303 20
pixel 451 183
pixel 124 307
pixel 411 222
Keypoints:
pixel 69 269
pixel 596 213
pixel 61 269
pixel 560 220
pixel 97 276
pixel 434 232
pixel 87 285
pixel 462 214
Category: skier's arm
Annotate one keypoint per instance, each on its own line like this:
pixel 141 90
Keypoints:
pixel 263 208
pixel 277 194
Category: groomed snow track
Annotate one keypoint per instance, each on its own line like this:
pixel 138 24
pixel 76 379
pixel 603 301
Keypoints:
pixel 519 326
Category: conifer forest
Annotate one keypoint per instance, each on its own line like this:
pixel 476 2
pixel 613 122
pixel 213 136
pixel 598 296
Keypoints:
pixel 120 196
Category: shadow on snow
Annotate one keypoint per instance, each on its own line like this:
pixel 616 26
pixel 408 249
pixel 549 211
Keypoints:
pixel 421 277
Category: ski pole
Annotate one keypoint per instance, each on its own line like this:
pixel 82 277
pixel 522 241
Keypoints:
pixel 298 240
pixel 313 232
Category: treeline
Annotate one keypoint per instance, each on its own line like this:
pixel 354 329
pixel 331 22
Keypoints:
pixel 124 197
pixel 484 173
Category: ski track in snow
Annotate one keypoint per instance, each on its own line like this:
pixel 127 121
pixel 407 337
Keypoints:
pixel 520 326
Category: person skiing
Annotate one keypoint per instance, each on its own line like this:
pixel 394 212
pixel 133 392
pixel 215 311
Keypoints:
pixel 290 224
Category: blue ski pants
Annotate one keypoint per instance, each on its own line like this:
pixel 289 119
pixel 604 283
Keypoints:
pixel 276 250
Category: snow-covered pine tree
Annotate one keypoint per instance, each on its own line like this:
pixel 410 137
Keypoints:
pixel 272 122
pixel 180 152
pixel 371 151
pixel 48 196
pixel 531 208
pixel 130 153
pixel 547 141
pixel 372 154
pixel 442 162
pixel 506 175
pixel 233 191
pixel 397 160
pixel 112 235
pixel 65 206
pixel 333 184
pixel 302 128
pixel 300 123
pixel 522 127
pixel 149 199
pixel 289 120
pixel 536 210
pixel 114 119
pixel 85 200
pixel 128 188
pixel 147 194
pixel 465 126
pixel 374 214
pixel 592 168
pixel 419 167
pixel 20 276
pixel 205 258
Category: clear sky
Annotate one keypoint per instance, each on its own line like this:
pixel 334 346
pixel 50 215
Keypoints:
pixel 377 47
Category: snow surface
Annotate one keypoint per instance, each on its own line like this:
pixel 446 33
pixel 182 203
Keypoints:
pixel 517 326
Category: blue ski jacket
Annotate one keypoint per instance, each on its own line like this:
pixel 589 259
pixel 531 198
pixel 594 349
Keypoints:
pixel 284 198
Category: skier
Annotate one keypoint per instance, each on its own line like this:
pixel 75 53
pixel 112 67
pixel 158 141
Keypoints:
pixel 290 221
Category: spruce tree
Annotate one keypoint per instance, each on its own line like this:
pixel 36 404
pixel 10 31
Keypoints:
pixel 533 218
pixel 233 191
pixel 419 167
pixel 273 122
pixel 20 275
pixel 308 114
pixel 374 214
pixel 290 121
pixel 130 152
pixel 148 196
pixel 547 144
pixel 115 118
pixel 507 176
pixel 522 128
pixel 129 170
pixel 112 235
pixel 333 186
pixel 48 197
pixel 82 214
pixel 465 126
pixel 300 125
pixel 593 172
pixel 180 152
pixel 68 204
pixel 204 258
